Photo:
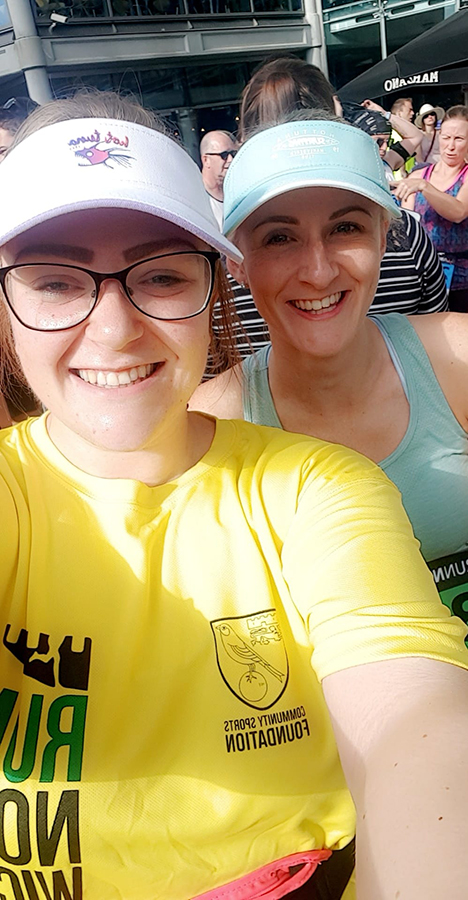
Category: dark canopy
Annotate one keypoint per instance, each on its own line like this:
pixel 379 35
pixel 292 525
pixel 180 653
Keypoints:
pixel 427 60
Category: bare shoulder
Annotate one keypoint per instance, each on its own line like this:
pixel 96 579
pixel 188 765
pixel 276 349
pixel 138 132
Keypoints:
pixel 445 340
pixel 221 396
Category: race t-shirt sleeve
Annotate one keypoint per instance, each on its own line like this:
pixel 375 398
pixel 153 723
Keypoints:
pixel 355 574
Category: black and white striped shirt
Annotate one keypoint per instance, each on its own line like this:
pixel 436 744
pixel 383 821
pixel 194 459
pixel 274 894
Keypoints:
pixel 411 279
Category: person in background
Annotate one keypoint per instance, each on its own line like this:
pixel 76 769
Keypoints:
pixel 403 108
pixel 12 114
pixel 234 607
pixel 284 85
pixel 411 279
pixel 217 150
pixel 429 120
pixel 404 139
pixel 439 194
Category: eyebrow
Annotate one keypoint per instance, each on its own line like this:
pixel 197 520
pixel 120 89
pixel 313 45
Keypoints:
pixel 64 251
pixel 86 256
pixel 290 220
pixel 153 248
pixel 349 209
pixel 283 220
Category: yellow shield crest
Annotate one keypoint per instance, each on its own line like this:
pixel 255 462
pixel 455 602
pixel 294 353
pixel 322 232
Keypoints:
pixel 252 657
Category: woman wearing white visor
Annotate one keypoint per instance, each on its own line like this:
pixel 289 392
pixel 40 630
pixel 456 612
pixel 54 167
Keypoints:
pixel 194 613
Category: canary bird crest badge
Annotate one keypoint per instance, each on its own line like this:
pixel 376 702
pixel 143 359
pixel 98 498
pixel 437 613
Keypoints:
pixel 252 657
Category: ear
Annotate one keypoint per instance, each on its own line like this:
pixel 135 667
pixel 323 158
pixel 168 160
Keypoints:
pixel 237 270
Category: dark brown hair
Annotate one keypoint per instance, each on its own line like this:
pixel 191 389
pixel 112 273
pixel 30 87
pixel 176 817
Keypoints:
pixel 280 87
pixel 86 104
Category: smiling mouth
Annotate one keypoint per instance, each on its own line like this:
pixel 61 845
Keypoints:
pixel 122 378
pixel 316 306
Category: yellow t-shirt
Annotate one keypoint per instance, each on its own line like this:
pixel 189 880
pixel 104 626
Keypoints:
pixel 163 729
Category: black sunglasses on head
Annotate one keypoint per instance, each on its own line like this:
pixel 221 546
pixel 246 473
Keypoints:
pixel 223 154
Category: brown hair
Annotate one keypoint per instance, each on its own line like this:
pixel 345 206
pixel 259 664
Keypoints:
pixel 457 112
pixel 280 87
pixel 91 103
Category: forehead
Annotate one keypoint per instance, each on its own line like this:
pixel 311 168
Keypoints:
pixel 454 126
pixel 312 204
pixel 223 142
pixel 99 230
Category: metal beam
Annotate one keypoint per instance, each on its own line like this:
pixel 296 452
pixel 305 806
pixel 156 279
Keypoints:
pixel 29 50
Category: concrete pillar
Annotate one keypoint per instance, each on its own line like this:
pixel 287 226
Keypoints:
pixel 188 126
pixel 316 56
pixel 30 52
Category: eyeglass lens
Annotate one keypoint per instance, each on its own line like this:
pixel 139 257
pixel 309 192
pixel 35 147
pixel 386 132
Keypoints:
pixel 49 297
pixel 382 141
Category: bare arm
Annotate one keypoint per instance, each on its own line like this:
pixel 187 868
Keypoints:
pixel 445 340
pixel 455 209
pixel 412 136
pixel 401 727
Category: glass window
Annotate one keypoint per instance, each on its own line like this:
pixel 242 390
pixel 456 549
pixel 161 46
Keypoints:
pixel 403 28
pixel 350 49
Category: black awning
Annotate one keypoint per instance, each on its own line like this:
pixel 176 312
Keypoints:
pixel 443 46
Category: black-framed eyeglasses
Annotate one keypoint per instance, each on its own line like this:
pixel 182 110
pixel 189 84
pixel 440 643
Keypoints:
pixel 224 154
pixel 381 141
pixel 54 297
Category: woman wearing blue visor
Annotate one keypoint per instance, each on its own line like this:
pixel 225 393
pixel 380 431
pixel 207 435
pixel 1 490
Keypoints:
pixel 198 617
pixel 308 204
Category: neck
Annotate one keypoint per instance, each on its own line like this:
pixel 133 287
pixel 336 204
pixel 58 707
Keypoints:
pixel 215 189
pixel 321 387
pixel 180 444
pixel 447 171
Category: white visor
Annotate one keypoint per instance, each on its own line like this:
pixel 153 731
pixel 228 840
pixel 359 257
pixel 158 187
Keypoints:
pixel 102 163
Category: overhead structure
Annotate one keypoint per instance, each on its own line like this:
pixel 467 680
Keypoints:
pixel 444 48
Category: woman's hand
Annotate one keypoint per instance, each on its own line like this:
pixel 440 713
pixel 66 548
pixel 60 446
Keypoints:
pixel 409 186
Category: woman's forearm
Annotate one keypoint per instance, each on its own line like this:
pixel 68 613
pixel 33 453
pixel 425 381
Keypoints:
pixel 449 207
pixel 416 850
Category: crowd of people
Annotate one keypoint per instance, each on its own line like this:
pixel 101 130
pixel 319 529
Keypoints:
pixel 233 607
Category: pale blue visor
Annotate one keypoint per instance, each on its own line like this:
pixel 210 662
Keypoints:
pixel 309 153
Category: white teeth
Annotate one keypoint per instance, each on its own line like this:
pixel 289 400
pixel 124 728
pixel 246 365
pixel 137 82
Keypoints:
pixel 116 379
pixel 316 305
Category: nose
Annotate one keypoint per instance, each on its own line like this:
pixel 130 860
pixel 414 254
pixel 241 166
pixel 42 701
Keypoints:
pixel 317 266
pixel 114 321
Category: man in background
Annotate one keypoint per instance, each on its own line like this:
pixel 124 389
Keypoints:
pixel 217 150
pixel 403 107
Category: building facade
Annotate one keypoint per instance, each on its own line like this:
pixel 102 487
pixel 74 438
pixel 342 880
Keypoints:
pixel 361 33
pixel 189 59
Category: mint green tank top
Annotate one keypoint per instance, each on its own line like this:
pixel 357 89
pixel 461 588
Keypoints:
pixel 429 466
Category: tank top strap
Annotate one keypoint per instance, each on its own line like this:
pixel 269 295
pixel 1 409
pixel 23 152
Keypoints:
pixel 430 412
pixel 428 172
pixel 257 401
